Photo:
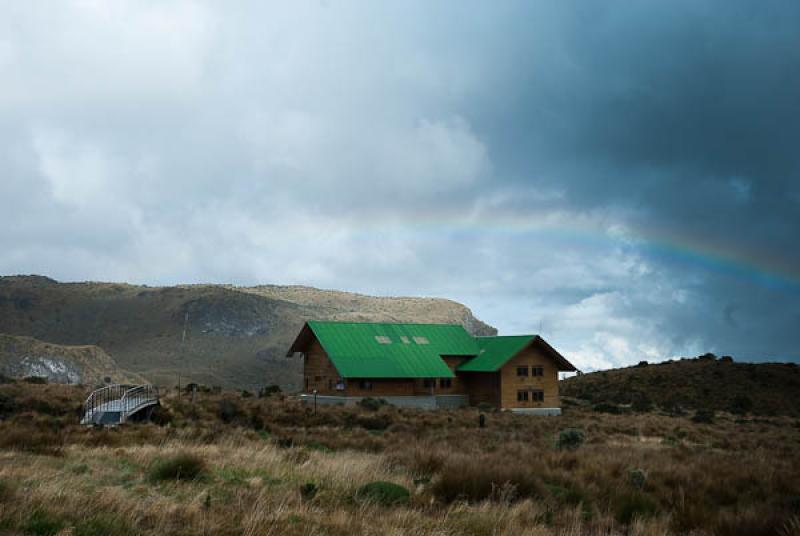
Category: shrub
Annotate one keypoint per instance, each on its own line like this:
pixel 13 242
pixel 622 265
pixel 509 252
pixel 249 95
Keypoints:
pixel 641 403
pixel 570 439
pixel 741 404
pixel 479 479
pixel 38 380
pixel 642 364
pixel 308 491
pixel 374 422
pixel 633 506
pixel 182 466
pixel 637 478
pixel 42 523
pixel 383 493
pixel 372 404
pixel 229 411
pixel 605 407
pixel 269 390
pixel 705 416
pixel 161 416
pixel 246 394
pixel 6 491
pixel 8 405
pixel 102 525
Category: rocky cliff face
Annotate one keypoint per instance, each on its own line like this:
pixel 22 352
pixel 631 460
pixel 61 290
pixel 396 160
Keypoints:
pixel 234 336
pixel 22 357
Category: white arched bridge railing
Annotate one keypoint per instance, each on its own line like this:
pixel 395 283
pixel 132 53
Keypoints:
pixel 115 404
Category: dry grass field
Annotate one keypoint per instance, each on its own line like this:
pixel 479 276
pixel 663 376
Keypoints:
pixel 233 464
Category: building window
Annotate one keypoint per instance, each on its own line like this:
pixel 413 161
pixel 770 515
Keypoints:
pixel 429 383
pixel 522 371
pixel 365 385
pixel 522 396
pixel 537 371
pixel 446 383
pixel 537 396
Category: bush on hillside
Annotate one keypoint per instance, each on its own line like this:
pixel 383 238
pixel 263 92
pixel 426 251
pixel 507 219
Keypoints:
pixel 570 439
pixel 269 390
pixel 308 491
pixel 182 466
pixel 8 405
pixel 634 506
pixel 703 416
pixel 229 411
pixel 372 404
pixel 637 478
pixel 383 493
pixel 37 380
pixel 741 404
pixel 605 407
pixel 641 403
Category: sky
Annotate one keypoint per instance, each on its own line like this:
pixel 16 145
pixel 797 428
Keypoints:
pixel 621 177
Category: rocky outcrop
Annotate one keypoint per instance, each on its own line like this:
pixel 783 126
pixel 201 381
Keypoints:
pixel 22 357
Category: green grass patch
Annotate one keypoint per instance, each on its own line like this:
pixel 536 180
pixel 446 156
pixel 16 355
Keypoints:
pixel 383 493
pixel 42 523
pixel 103 525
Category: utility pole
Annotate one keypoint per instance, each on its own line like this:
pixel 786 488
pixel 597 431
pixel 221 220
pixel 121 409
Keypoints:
pixel 181 353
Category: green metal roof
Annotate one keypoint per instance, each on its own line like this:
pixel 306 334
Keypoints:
pixel 372 350
pixel 495 351
pixel 388 350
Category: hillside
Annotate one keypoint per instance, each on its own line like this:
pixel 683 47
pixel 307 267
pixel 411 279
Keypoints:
pixel 87 364
pixel 235 336
pixel 704 382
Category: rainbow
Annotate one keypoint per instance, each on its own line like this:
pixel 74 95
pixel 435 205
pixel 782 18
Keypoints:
pixel 697 251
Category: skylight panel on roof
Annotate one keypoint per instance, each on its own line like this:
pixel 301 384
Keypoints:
pixel 405 339
pixel 421 340
pixel 383 339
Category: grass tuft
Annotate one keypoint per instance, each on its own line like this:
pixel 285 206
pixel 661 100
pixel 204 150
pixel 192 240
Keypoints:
pixel 182 466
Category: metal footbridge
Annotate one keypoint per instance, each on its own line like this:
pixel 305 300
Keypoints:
pixel 116 404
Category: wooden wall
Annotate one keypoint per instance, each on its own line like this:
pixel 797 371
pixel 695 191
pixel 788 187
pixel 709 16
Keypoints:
pixel 381 387
pixel 319 372
pixel 482 387
pixel 510 383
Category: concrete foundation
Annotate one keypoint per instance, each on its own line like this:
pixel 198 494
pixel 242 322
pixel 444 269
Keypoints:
pixel 419 402
pixel 537 411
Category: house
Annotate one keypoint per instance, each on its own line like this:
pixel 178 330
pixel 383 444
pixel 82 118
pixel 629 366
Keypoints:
pixel 427 365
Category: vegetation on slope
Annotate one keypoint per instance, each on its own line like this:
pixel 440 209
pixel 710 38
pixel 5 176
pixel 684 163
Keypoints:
pixel 690 384
pixel 272 466
pixel 235 337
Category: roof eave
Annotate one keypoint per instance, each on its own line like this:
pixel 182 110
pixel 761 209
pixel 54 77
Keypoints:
pixel 302 341
pixel 563 364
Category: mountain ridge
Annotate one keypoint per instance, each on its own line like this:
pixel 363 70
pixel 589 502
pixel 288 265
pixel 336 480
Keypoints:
pixel 235 336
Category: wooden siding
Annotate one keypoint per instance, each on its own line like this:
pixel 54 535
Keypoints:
pixel 510 383
pixel 380 387
pixel 482 387
pixel 319 372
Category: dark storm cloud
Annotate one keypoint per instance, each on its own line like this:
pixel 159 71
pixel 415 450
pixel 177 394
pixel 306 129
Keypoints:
pixel 622 176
